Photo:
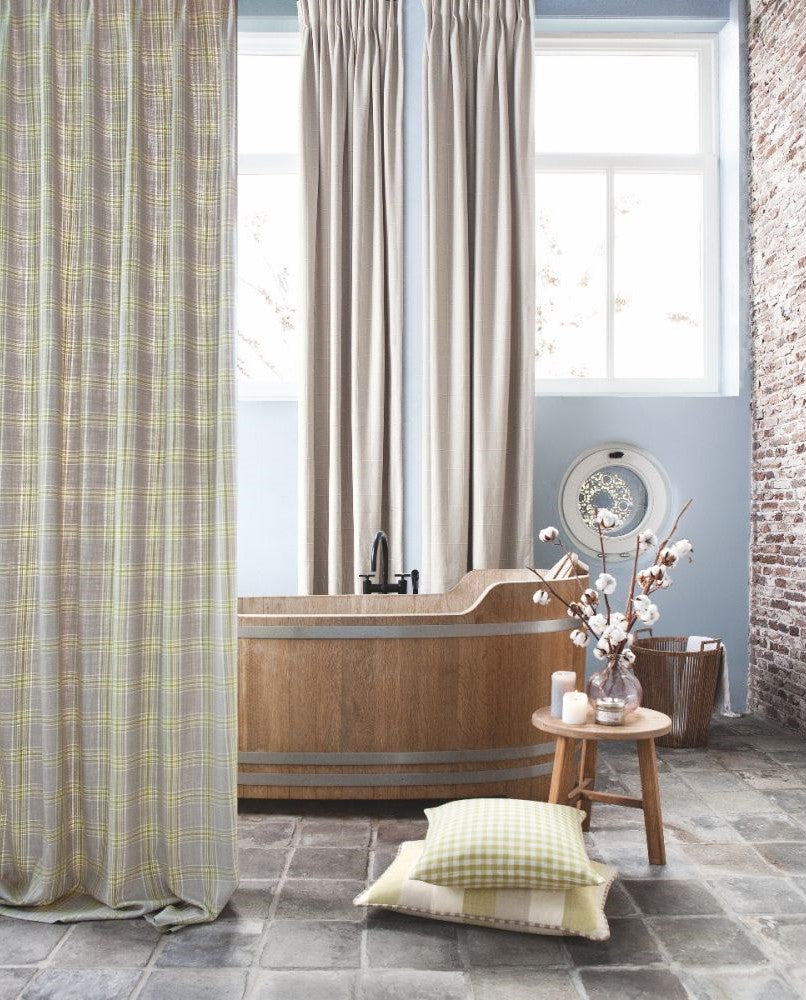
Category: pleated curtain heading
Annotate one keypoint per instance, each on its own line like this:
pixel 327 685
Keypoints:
pixel 478 288
pixel 117 588
pixel 351 386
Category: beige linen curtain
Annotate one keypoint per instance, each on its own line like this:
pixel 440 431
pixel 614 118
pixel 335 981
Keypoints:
pixel 117 603
pixel 350 401
pixel 478 451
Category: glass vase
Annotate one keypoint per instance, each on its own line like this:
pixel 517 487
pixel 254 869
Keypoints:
pixel 615 680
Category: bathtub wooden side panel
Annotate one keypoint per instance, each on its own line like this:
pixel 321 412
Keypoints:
pixel 398 696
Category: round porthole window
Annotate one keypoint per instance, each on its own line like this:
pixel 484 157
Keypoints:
pixel 624 479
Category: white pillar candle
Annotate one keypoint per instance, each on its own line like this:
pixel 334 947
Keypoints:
pixel 561 681
pixel 575 708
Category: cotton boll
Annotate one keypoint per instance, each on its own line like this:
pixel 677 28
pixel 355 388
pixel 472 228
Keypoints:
pixel 627 657
pixel 541 597
pixel 668 557
pixel 683 548
pixel 550 534
pixel 597 623
pixel 579 638
pixel 647 540
pixel 650 614
pixel 606 583
pixel 607 519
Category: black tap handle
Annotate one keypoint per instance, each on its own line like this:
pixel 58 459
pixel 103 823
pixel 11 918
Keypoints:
pixel 415 581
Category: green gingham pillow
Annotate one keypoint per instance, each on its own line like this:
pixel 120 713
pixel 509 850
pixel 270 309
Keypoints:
pixel 578 910
pixel 505 844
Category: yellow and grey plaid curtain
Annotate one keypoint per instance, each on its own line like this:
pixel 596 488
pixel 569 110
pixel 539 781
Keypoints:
pixel 117 648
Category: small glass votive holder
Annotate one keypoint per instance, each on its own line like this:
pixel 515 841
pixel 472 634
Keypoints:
pixel 610 711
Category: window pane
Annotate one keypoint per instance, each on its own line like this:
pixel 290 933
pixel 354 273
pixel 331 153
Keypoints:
pixel 268 277
pixel 658 267
pixel 570 332
pixel 617 102
pixel 268 108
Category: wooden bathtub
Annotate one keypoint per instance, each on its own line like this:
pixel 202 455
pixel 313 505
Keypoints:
pixel 394 697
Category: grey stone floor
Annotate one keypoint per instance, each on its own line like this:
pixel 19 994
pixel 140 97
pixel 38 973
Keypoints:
pixel 726 918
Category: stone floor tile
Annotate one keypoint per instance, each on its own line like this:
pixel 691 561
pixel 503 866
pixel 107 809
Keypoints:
pixel 714 941
pixel 82 984
pixel 618 903
pixel 771 826
pixel 745 985
pixel 251 900
pixel 630 944
pixel 399 984
pixel 727 859
pixel 13 980
pixel 745 760
pixel 760 895
pixel 789 858
pixel 732 804
pixel 312 944
pixel 255 830
pixel 791 758
pixel 700 828
pixel 522 984
pixel 194 984
pixel 672 897
pixel 395 831
pixel 312 899
pixel 25 942
pixel 224 944
pixel 261 862
pixel 773 779
pixel 792 802
pixel 705 782
pixel 323 832
pixel 108 943
pixel 632 862
pixel 304 985
pixel 632 984
pixel 329 862
pixel 487 947
pixel 397 941
pixel 784 937
pixel 380 859
pixel 701 760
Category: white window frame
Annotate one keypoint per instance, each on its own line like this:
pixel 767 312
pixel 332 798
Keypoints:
pixel 705 164
pixel 267 43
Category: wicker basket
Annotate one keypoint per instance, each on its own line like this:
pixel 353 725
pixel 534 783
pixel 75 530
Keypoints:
pixel 680 683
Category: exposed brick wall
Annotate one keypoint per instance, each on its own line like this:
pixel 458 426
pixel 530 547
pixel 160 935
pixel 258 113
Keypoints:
pixel 777 79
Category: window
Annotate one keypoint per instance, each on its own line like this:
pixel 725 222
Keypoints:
pixel 269 251
pixel 627 215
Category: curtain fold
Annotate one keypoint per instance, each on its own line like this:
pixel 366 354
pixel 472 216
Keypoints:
pixel 478 287
pixel 117 596
pixel 350 404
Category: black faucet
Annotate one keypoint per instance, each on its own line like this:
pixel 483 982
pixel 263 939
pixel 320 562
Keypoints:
pixel 380 544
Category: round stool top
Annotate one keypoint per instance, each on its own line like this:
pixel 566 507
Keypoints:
pixel 643 724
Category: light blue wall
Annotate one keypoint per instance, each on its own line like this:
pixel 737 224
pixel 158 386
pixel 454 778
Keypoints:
pixel 704 443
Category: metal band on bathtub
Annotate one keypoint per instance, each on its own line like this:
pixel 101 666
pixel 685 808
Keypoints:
pixel 484 756
pixel 409 778
pixel 403 631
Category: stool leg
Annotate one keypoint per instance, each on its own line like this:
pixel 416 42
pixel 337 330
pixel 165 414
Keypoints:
pixel 563 765
pixel 587 770
pixel 650 793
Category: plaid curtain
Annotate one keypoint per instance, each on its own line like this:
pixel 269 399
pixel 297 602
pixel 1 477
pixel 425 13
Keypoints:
pixel 117 598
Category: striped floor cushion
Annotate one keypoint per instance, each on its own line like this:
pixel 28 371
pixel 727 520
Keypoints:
pixel 575 911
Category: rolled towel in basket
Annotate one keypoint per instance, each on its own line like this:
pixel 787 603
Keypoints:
pixel 722 700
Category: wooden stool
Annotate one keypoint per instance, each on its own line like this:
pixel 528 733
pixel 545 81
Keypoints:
pixel 643 726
